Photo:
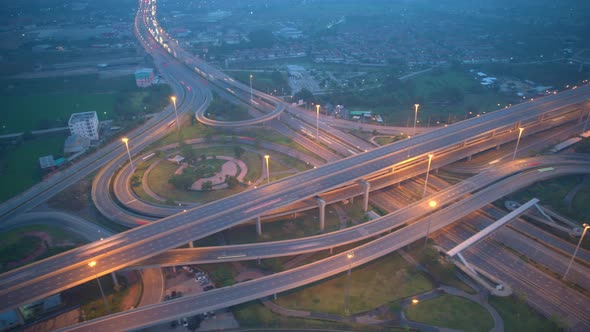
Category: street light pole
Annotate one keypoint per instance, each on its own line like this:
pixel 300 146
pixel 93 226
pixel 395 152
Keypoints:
pixel 432 205
pixel 415 118
pixel 106 303
pixel 350 256
pixel 517 142
pixel 427 173
pixel 267 169
pixel 317 122
pixel 126 141
pixel 251 77
pixel 175 112
pixel 586 226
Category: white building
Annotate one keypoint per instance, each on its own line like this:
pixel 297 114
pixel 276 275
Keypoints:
pixel 84 125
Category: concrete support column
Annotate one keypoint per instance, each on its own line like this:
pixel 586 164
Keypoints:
pixel 498 147
pixel 366 186
pixel 469 158
pixel 115 280
pixel 258 226
pixel 275 296
pixel 331 251
pixel 322 207
pixel 174 269
pixel 190 244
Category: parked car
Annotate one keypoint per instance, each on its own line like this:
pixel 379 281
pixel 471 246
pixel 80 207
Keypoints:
pixel 207 288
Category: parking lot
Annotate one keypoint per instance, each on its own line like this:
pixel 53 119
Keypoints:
pixel 189 280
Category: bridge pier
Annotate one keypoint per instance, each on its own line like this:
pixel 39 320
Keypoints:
pixel 115 280
pixel 258 226
pixel 366 186
pixel 322 207
pixel 331 251
pixel 469 158
pixel 190 244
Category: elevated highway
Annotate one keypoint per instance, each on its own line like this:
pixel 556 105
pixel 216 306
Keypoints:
pixel 280 282
pixel 137 207
pixel 54 274
pixel 407 215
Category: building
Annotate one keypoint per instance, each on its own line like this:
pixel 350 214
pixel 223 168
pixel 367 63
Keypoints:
pixel 76 143
pixel 84 125
pixel 46 162
pixel 144 77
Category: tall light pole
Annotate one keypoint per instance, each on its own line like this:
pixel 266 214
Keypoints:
pixel 267 169
pixel 432 205
pixel 251 77
pixel 106 303
pixel 175 112
pixel 415 118
pixel 427 173
pixel 586 226
pixel 517 142
pixel 126 141
pixel 349 256
pixel 317 122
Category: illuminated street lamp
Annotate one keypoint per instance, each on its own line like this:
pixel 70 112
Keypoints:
pixel 350 256
pixel 427 173
pixel 317 122
pixel 432 205
pixel 106 303
pixel 586 226
pixel 126 141
pixel 267 169
pixel 175 112
pixel 415 118
pixel 251 77
pixel 517 142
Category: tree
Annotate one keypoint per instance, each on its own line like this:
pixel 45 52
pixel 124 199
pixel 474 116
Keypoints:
pixel 231 181
pixel 238 151
pixel 203 157
pixel 303 94
pixel 135 181
pixel 207 186
pixel 194 322
pixel 187 152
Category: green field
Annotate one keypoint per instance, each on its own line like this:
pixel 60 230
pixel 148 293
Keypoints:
pixel 519 317
pixel 445 95
pixel 453 312
pixel 158 177
pixel 374 284
pixel 552 192
pixel 16 245
pixel 47 103
pixel 19 164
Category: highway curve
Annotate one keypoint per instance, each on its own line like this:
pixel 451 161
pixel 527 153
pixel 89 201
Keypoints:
pixel 279 282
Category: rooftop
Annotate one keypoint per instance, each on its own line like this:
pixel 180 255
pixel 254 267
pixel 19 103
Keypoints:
pixel 79 117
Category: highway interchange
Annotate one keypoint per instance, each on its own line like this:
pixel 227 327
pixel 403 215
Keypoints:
pixel 133 247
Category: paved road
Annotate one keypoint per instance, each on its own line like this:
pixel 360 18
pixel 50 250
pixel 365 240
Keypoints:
pixel 55 274
pixel 283 281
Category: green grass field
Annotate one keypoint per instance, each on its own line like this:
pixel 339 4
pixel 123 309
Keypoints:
pixel 19 165
pixel 47 103
pixel 376 283
pixel 552 192
pixel 453 312
pixel 158 177
pixel 519 317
